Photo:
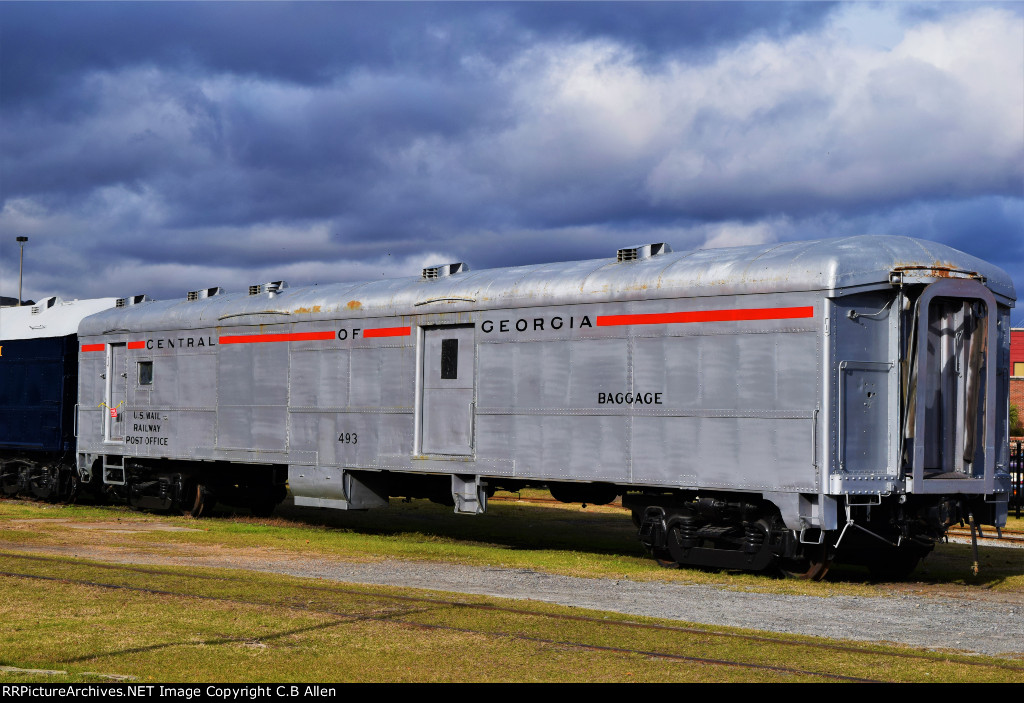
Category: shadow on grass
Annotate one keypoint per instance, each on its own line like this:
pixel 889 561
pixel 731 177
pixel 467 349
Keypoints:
pixel 531 527
pixel 506 525
pixel 950 565
pixel 602 532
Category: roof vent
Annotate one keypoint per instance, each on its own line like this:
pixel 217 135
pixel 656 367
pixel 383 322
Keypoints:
pixel 273 288
pixel 432 272
pixel 643 251
pixel 45 304
pixel 204 293
pixel 131 300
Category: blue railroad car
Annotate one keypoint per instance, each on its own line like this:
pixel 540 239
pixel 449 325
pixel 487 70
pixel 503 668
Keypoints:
pixel 38 390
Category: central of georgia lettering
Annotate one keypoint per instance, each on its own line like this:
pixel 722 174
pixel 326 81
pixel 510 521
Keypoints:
pixel 183 342
pixel 536 324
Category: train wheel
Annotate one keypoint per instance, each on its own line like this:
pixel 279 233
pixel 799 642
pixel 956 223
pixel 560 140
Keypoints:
pixel 197 500
pixel 67 486
pixel 10 481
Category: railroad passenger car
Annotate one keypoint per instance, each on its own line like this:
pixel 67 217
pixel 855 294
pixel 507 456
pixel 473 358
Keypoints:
pixel 755 406
pixel 38 385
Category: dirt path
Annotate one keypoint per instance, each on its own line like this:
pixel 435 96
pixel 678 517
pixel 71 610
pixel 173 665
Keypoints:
pixel 971 620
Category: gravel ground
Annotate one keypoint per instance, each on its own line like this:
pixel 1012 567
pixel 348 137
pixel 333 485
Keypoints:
pixel 982 626
pixel 974 621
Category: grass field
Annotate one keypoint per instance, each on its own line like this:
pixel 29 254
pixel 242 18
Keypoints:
pixel 595 542
pixel 70 614
pixel 205 625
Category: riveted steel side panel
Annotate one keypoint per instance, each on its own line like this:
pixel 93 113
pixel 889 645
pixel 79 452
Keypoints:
pixel 382 376
pixel 864 381
pixel 319 391
pixel 319 378
pixel 864 417
pixel 252 396
pixel 178 408
pixel 183 380
pixel 537 404
pixel 736 411
pixel 351 407
pixel 723 404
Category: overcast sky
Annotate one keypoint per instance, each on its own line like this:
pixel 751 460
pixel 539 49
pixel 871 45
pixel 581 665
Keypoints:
pixel 158 148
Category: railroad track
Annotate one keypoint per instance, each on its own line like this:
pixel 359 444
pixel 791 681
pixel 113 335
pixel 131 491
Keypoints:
pixel 987 533
pixel 417 604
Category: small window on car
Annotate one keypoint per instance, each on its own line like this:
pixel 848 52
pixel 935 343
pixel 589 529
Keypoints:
pixel 449 358
pixel 145 373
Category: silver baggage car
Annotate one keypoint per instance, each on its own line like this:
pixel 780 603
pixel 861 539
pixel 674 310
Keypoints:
pixel 755 406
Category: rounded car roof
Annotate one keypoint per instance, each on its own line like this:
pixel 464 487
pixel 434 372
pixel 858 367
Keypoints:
pixel 825 264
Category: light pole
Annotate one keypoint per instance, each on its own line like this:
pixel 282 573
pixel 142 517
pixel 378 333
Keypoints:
pixel 21 265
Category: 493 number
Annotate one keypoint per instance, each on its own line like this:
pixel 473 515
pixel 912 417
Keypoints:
pixel 348 438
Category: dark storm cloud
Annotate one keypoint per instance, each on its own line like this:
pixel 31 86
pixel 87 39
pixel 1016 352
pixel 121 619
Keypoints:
pixel 46 45
pixel 237 153
pixel 61 63
pixel 176 145
pixel 228 129
pixel 673 28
